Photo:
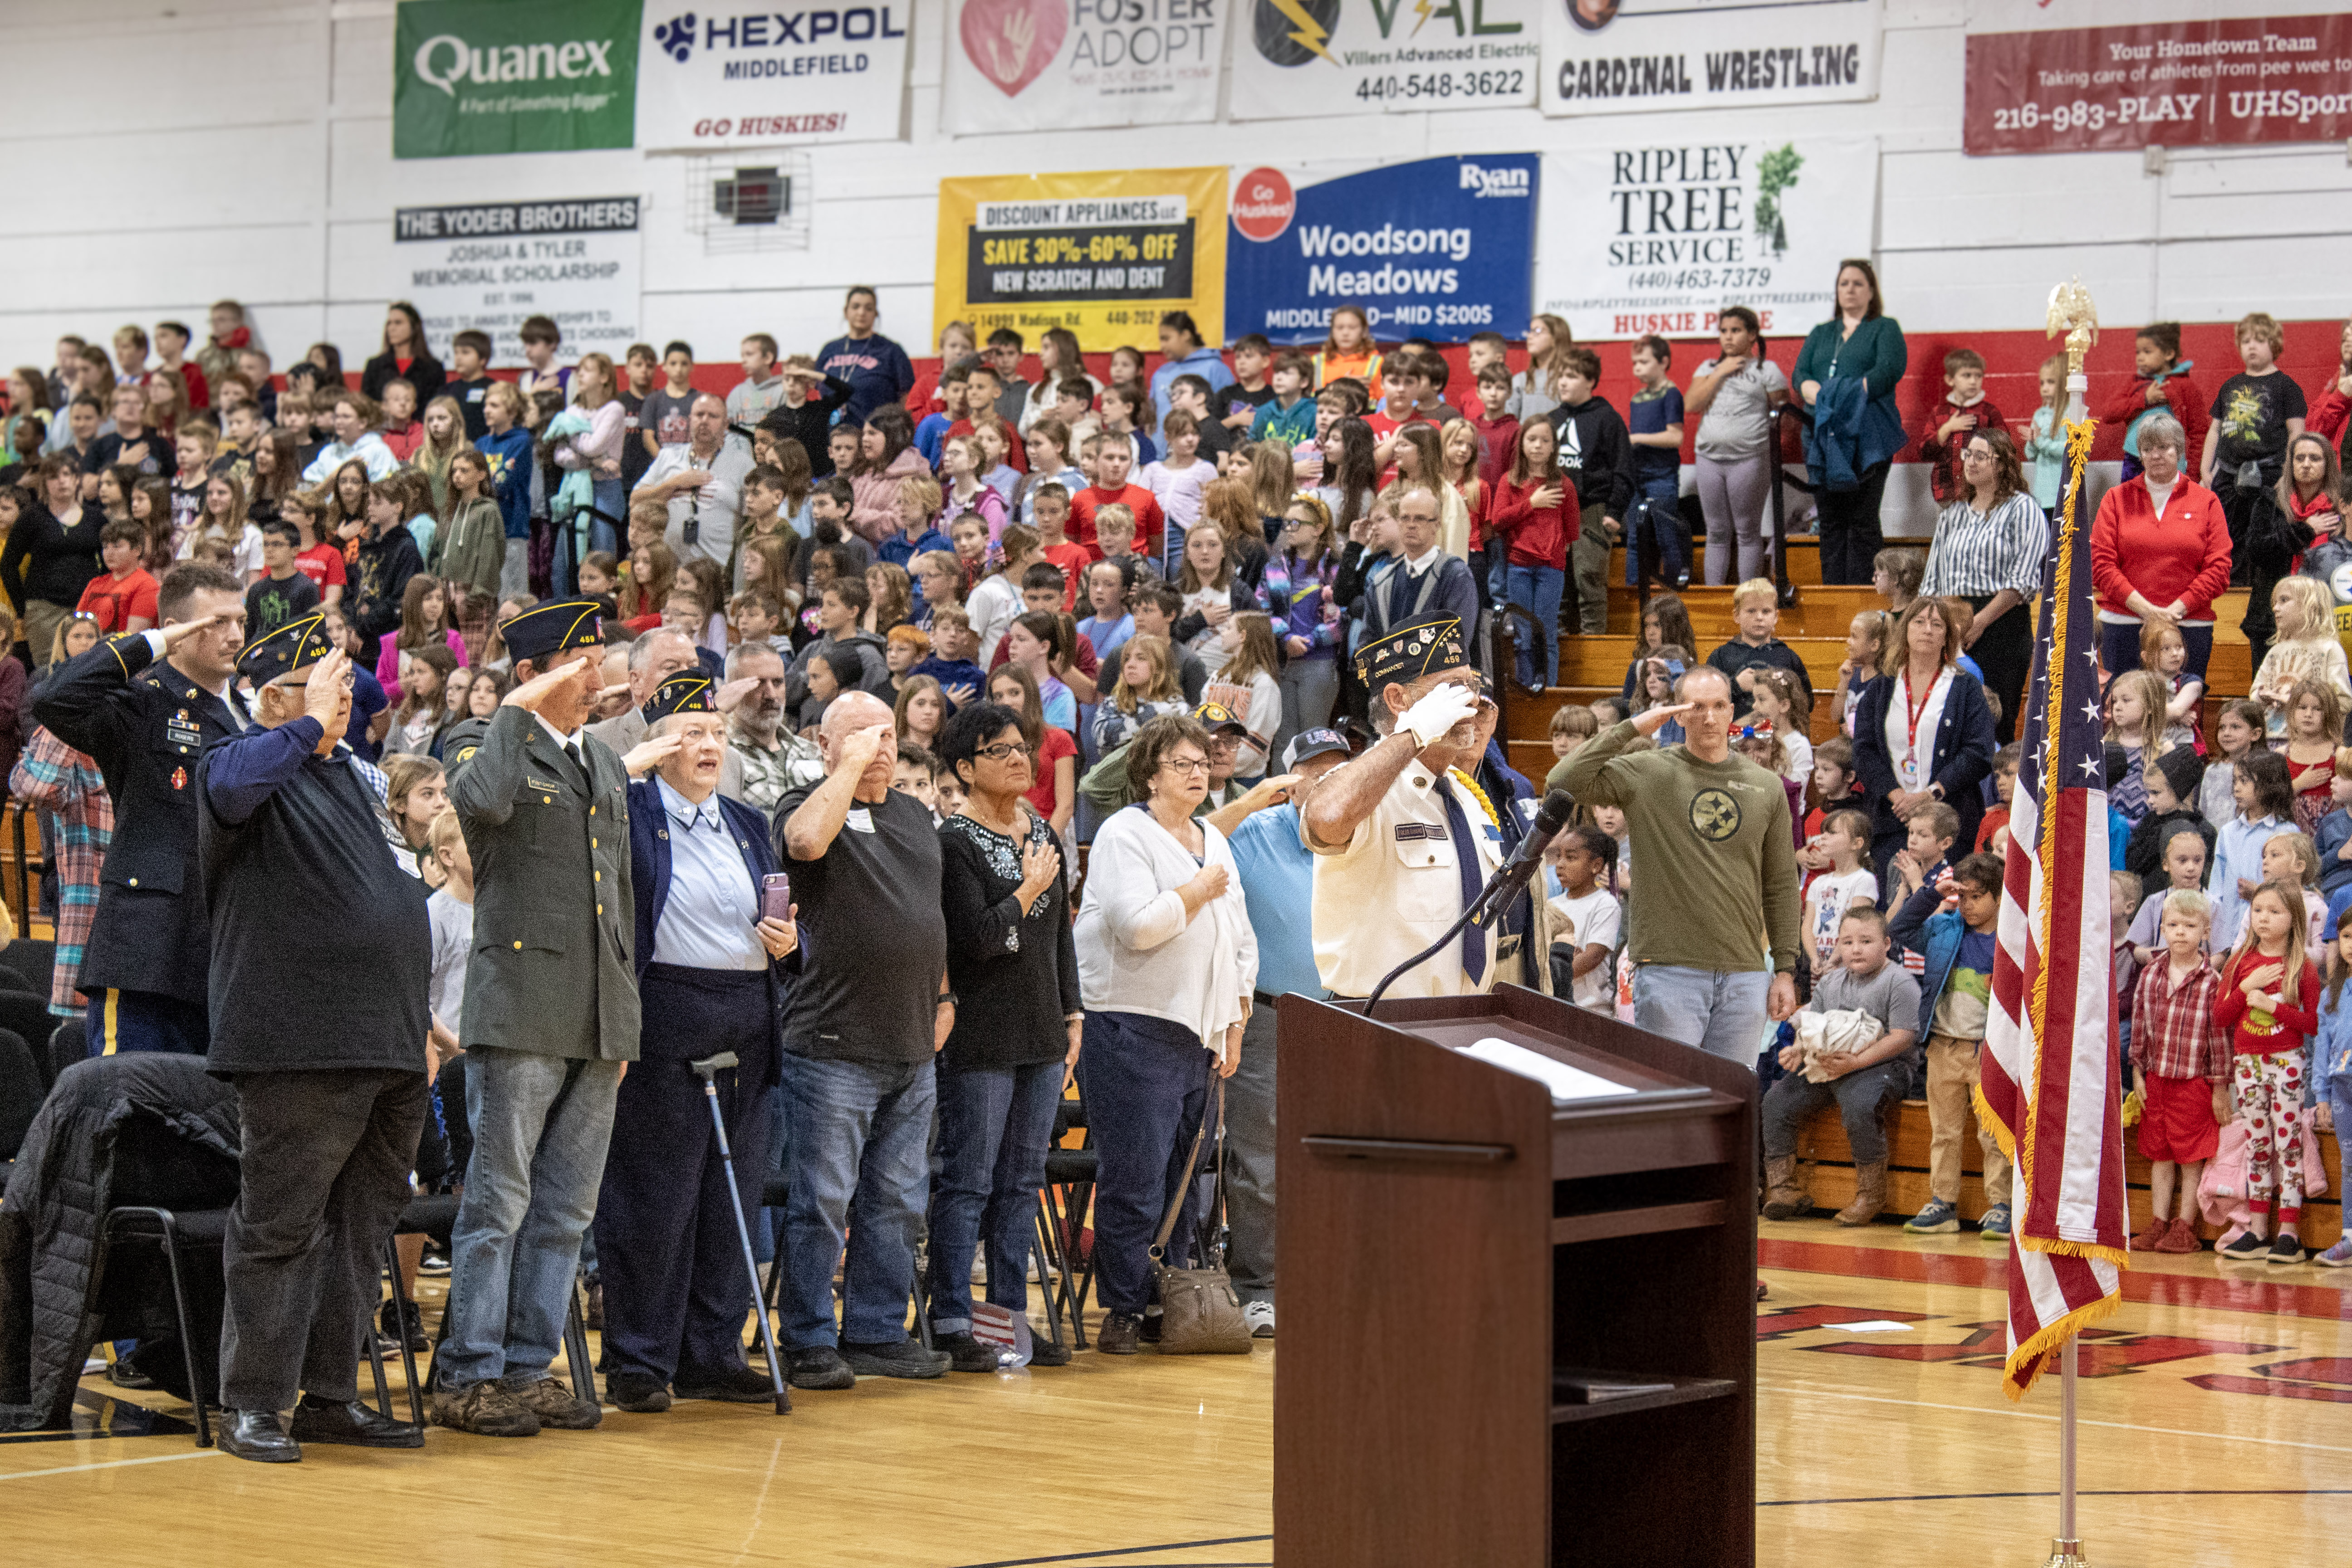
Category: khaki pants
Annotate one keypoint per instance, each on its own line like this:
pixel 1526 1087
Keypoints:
pixel 1951 1076
pixel 40 626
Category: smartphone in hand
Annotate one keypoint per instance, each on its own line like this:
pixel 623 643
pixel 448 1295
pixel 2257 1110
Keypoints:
pixel 776 896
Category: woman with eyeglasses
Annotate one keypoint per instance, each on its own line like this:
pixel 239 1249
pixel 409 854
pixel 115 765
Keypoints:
pixel 1015 970
pixel 1989 549
pixel 1167 964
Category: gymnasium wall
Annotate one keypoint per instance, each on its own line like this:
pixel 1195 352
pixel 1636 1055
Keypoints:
pixel 172 152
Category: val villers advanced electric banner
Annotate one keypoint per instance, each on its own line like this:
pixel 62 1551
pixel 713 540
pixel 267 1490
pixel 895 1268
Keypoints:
pixel 1440 248
pixel 1105 255
pixel 2158 83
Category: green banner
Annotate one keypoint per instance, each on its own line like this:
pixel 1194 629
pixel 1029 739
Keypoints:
pixel 471 76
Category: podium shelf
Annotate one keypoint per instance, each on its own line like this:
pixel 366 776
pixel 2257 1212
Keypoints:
pixel 1686 1391
pixel 1607 1224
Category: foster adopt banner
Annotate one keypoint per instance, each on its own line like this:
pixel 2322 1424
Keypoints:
pixel 489 265
pixel 1050 64
pixel 1658 238
pixel 526 76
pixel 1335 58
pixel 1440 248
pixel 798 70
pixel 1601 57
pixel 1105 255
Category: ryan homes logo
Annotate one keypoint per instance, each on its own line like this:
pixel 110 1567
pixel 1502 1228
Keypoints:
pixel 1486 182
pixel 1290 33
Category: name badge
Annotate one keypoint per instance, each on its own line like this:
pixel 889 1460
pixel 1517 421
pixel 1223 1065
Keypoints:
pixel 861 820
pixel 538 783
pixel 183 734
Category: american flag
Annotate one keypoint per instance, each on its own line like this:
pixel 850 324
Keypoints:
pixel 2048 1075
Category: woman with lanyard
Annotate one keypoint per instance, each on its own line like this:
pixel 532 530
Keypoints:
pixel 1922 732
pixel 1988 550
pixel 1859 343
pixel 2159 554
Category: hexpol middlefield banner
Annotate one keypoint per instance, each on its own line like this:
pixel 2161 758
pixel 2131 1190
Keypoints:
pixel 513 75
pixel 1440 248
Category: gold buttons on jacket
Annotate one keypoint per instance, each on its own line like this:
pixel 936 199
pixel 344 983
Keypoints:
pixel 517 947
pixel 134 881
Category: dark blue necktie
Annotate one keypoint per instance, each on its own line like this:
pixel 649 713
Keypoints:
pixel 1465 860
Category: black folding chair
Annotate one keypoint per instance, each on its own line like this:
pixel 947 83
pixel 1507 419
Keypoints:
pixel 432 1215
pixel 21 1093
pixel 31 960
pixel 176 1230
pixel 68 1044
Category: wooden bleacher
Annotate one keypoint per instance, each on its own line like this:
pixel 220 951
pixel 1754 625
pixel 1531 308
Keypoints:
pixel 1814 626
pixel 1825 1165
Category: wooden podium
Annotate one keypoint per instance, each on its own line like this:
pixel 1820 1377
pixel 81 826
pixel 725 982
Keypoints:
pixel 1473 1272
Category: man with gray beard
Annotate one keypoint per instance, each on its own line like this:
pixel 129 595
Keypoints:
pixel 775 761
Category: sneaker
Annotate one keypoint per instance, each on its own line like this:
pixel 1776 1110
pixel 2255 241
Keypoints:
pixel 2153 1235
pixel 639 1392
pixel 2247 1247
pixel 1994 1226
pixel 735 1386
pixel 556 1407
pixel 1118 1335
pixel 1938 1218
pixel 1045 1352
pixel 966 1354
pixel 2180 1237
pixel 434 1261
pixel 2287 1250
pixel 487 1409
pixel 819 1366
pixel 906 1358
pixel 1259 1315
pixel 392 1316
pixel 2338 1256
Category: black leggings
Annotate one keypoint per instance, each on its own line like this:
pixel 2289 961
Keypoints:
pixel 1851 538
pixel 2005 654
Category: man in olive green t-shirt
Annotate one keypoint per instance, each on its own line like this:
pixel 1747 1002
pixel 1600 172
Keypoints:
pixel 1710 831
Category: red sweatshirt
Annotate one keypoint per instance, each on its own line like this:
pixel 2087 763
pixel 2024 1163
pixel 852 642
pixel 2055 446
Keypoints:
pixel 2182 399
pixel 1534 538
pixel 2284 1031
pixel 1944 451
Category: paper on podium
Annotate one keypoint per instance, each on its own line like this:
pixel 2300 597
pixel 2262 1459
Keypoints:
pixel 1566 1083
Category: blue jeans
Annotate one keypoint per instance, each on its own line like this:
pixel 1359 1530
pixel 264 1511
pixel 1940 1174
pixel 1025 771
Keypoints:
pixel 1538 589
pixel 860 1133
pixel 1147 1086
pixel 542 1124
pixel 1657 516
pixel 1721 1011
pixel 2338 1092
pixel 995 1125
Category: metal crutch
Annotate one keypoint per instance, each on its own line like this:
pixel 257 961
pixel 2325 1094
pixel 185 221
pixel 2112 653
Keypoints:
pixel 708 1070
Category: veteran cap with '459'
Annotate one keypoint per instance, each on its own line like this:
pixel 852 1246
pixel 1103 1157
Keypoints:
pixel 1409 652
pixel 544 631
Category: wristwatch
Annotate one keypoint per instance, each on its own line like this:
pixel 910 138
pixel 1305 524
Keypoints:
pixel 947 998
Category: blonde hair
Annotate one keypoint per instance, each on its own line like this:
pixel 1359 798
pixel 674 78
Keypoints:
pixel 2305 854
pixel 1164 686
pixel 2152 698
pixel 2263 324
pixel 2312 607
pixel 2189 901
pixel 2297 937
pixel 1755 588
pixel 445 828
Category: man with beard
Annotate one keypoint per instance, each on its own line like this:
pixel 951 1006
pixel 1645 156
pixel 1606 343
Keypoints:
pixel 773 761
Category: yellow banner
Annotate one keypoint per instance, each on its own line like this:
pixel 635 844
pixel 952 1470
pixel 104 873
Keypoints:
pixel 1105 255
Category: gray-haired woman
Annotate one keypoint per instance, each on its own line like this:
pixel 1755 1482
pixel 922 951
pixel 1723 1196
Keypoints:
pixel 2159 554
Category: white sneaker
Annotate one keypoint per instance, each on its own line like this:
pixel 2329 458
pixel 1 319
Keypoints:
pixel 1259 1315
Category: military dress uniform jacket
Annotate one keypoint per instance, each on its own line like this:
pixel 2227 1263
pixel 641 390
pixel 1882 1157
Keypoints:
pixel 551 970
pixel 147 725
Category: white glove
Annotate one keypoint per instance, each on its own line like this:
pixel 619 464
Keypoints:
pixel 1432 718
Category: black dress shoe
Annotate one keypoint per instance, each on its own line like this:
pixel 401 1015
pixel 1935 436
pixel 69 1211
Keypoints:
pixel 259 1436
pixel 1045 1352
pixel 966 1354
pixel 639 1392
pixel 352 1425
pixel 737 1385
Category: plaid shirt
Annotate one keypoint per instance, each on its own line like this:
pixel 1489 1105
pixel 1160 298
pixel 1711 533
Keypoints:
pixel 2174 1034
pixel 53 777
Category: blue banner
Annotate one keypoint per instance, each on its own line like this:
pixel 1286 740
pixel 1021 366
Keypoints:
pixel 1441 248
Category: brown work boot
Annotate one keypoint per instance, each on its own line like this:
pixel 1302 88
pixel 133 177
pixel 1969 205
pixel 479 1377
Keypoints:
pixel 1869 1195
pixel 553 1404
pixel 486 1409
pixel 1784 1197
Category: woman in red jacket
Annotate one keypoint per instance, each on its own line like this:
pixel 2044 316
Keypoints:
pixel 1533 511
pixel 2159 554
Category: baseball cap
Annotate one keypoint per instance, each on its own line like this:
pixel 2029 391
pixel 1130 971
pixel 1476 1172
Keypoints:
pixel 1312 743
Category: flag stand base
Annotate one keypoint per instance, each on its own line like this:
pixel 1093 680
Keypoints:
pixel 2066 1554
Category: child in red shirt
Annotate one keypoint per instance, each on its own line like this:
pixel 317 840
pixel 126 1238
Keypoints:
pixel 1533 511
pixel 124 600
pixel 1497 431
pixel 2269 1002
pixel 1964 411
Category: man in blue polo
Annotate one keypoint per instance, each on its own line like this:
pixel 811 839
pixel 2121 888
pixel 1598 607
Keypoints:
pixel 1277 875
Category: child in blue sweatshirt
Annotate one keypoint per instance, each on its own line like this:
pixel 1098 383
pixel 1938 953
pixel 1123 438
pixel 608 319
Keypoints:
pixel 2331 1074
pixel 1952 921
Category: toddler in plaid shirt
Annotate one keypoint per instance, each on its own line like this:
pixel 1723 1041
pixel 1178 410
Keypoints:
pixel 2180 1065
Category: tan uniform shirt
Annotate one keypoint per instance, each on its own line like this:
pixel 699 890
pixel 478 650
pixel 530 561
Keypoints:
pixel 1395 886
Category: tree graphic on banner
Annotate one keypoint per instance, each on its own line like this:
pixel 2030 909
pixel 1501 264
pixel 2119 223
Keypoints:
pixel 1775 172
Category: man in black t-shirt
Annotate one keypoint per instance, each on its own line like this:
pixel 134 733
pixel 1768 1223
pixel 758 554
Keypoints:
pixel 860 1030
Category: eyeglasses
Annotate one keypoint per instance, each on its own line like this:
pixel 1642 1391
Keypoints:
pixel 1002 751
pixel 1185 764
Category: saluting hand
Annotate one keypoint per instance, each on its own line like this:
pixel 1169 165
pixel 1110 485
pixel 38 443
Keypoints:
pixel 181 630
pixel 1651 720
pixel 540 687
pixel 860 747
pixel 650 754
pixel 326 691
pixel 730 694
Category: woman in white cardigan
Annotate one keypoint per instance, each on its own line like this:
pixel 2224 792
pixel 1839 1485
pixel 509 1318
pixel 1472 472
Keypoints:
pixel 1167 963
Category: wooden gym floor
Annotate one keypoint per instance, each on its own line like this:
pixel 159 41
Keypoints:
pixel 2216 1411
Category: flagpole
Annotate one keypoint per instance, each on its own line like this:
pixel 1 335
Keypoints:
pixel 2066 1551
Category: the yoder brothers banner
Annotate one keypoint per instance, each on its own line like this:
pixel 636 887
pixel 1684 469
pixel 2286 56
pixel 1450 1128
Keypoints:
pixel 1658 238
pixel 489 265
pixel 1602 56
pixel 524 76
pixel 1301 57
pixel 1053 65
pixel 1105 255
pixel 799 70
pixel 1440 248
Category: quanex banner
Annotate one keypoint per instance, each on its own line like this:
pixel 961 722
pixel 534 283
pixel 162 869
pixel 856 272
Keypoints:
pixel 527 76
pixel 1440 248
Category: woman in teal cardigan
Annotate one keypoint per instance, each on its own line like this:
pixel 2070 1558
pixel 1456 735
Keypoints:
pixel 1853 432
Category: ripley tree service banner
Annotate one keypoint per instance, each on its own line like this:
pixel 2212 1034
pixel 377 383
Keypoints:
pixel 1601 57
pixel 488 265
pixel 801 70
pixel 1440 248
pixel 1050 65
pixel 2177 84
pixel 1331 58
pixel 1659 238
pixel 1104 255
pixel 526 76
